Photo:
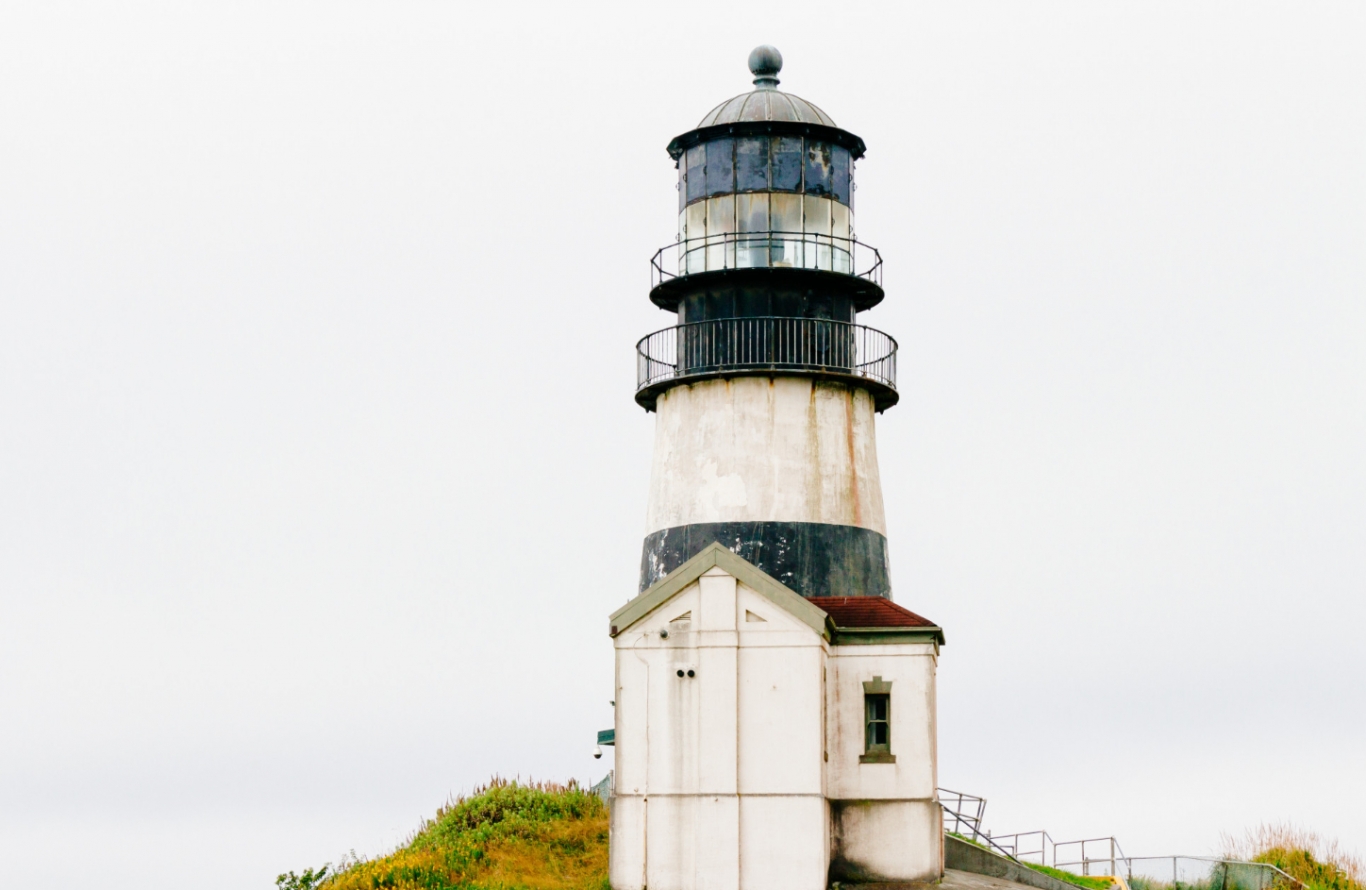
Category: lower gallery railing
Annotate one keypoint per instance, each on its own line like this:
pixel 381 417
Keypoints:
pixel 738 344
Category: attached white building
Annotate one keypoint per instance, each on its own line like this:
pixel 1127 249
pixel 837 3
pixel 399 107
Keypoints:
pixel 765 740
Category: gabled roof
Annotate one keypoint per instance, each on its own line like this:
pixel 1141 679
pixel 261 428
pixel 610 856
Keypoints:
pixel 714 555
pixel 840 619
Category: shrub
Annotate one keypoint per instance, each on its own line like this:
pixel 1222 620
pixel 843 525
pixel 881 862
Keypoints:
pixel 1321 864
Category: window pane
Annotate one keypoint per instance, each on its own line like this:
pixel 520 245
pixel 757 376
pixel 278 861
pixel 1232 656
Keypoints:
pixel 817 176
pixel 839 173
pixel 751 211
pixel 721 167
pixel 720 225
pixel 787 163
pixel 682 184
pixel 697 159
pixel 816 218
pixel 694 251
pixel 785 215
pixel 840 247
pixel 877 735
pixel 751 163
pixel 816 225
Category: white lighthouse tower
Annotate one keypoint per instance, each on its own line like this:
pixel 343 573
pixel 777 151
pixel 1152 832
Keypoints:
pixel 775 709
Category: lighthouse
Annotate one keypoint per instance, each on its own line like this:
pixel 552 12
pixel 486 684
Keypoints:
pixel 774 705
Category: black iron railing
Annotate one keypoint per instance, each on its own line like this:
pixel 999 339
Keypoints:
pixel 812 345
pixel 772 250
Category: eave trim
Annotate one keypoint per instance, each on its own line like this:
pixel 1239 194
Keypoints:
pixel 849 635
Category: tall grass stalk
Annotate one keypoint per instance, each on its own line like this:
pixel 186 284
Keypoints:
pixel 1321 863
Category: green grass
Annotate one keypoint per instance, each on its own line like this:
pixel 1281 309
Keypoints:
pixel 506 836
pixel 1090 883
pixel 1087 881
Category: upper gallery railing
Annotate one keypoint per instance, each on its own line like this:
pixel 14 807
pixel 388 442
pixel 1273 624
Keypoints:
pixel 771 250
pixel 816 345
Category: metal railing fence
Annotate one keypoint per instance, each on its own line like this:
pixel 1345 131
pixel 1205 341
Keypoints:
pixel 774 249
pixel 963 814
pixel 1110 852
pixel 806 344
pixel 1201 873
pixel 1028 846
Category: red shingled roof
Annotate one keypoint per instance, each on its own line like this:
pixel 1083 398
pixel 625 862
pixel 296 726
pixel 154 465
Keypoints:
pixel 868 611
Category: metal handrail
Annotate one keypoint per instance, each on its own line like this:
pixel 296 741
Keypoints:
pixel 772 249
pixel 819 345
pixel 967 810
pixel 962 815
pixel 1013 843
pixel 1116 854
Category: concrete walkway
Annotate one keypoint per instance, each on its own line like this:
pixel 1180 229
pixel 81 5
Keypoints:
pixel 955 879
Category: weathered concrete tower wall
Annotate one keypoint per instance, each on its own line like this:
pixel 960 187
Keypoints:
pixel 782 470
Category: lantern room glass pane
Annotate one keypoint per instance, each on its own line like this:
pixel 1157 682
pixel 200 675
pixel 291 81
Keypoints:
pixel 842 251
pixel 696 163
pixel 841 176
pixel 785 216
pixel 721 167
pixel 751 163
pixel 817 173
pixel 751 213
pixel 816 226
pixel 839 222
pixel 694 254
pixel 720 232
pixel 787 163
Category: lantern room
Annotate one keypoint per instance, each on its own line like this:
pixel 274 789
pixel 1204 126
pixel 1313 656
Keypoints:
pixel 767 273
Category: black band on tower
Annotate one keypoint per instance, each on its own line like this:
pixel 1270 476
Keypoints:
pixel 813 558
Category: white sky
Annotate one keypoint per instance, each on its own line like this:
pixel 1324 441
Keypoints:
pixel 320 470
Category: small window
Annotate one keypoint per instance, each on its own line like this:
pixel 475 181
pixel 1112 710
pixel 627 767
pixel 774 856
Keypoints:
pixel 877 722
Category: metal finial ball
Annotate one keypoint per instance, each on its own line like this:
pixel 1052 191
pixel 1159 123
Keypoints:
pixel 765 61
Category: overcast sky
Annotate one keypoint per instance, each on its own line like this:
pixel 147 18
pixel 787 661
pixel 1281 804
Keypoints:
pixel 320 471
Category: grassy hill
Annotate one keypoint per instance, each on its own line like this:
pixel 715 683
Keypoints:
pixel 538 836
pixel 544 836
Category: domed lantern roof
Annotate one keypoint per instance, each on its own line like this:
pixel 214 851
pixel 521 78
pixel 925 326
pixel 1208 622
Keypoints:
pixel 766 102
pixel 766 109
